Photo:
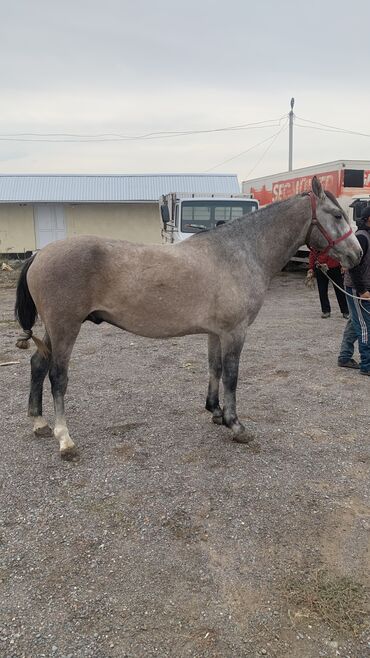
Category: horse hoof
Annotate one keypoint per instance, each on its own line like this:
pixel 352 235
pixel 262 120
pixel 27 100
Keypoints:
pixel 241 434
pixel 218 420
pixel 42 432
pixel 69 454
pixel 243 437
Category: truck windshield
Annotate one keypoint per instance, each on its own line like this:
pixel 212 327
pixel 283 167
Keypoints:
pixel 200 215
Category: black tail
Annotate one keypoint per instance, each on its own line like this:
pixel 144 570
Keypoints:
pixel 25 309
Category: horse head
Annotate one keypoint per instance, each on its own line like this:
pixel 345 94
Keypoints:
pixel 330 230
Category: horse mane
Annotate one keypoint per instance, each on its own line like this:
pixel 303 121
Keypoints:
pixel 251 216
pixel 332 198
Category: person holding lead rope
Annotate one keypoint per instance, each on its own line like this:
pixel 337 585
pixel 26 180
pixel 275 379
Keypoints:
pixel 324 268
pixel 357 286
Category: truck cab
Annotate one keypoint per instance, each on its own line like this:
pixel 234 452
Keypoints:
pixel 184 215
pixel 359 203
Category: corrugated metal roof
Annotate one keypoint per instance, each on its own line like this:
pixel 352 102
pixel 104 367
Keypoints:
pixel 109 188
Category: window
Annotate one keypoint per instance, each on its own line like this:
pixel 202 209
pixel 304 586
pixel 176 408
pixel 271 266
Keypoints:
pixel 203 215
pixel 353 178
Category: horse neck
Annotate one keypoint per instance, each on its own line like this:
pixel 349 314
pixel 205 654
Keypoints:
pixel 277 232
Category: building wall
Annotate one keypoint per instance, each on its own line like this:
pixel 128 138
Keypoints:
pixel 17 231
pixel 137 222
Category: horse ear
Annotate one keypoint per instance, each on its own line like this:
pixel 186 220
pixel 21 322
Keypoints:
pixel 317 188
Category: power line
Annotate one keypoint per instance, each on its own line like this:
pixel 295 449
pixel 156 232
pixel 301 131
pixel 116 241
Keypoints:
pixel 275 135
pixel 113 137
pixel 106 137
pixel 328 127
pixel 165 134
pixel 268 148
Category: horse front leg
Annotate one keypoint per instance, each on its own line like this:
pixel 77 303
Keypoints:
pixel 215 371
pixel 231 347
pixel 39 368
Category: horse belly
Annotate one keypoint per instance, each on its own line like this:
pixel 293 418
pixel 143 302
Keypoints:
pixel 158 316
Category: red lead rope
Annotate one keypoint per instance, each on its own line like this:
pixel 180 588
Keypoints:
pixel 315 222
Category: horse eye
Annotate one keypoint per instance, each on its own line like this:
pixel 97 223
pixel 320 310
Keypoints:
pixel 338 216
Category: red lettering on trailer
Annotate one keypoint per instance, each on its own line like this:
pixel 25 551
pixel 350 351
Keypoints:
pixel 263 195
pixel 284 189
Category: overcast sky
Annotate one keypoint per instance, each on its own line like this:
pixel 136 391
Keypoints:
pixel 88 67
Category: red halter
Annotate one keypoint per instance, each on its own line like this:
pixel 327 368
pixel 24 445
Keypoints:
pixel 315 222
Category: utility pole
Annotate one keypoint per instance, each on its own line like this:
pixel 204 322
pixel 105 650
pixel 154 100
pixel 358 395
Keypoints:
pixel 291 116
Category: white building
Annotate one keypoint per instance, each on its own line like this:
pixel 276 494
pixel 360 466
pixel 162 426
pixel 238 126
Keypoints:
pixel 38 209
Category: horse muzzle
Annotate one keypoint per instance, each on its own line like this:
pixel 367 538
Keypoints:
pixel 351 257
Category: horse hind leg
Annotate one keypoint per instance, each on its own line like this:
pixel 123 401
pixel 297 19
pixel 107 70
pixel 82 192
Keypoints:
pixel 62 345
pixel 215 372
pixel 39 368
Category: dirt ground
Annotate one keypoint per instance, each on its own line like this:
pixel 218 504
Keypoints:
pixel 168 539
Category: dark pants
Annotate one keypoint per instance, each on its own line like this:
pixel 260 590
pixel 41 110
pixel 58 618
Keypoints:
pixel 350 336
pixel 335 275
pixel 360 316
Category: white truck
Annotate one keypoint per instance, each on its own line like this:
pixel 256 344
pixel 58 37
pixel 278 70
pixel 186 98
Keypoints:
pixel 182 215
pixel 348 180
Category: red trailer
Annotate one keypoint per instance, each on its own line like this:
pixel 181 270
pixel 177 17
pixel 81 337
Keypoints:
pixel 348 180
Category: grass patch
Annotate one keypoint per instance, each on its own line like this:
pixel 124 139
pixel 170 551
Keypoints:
pixel 339 601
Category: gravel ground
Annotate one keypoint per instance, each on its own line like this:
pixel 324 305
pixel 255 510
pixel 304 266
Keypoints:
pixel 168 539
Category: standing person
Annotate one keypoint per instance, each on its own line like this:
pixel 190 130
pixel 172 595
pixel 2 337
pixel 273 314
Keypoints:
pixel 357 283
pixel 334 272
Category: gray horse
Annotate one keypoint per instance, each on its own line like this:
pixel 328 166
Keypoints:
pixel 213 283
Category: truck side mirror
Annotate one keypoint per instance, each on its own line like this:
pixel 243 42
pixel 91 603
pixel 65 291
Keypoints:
pixel 165 214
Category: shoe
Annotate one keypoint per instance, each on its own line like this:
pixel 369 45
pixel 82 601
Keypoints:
pixel 326 314
pixel 351 363
pixel 365 372
pixel 345 315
